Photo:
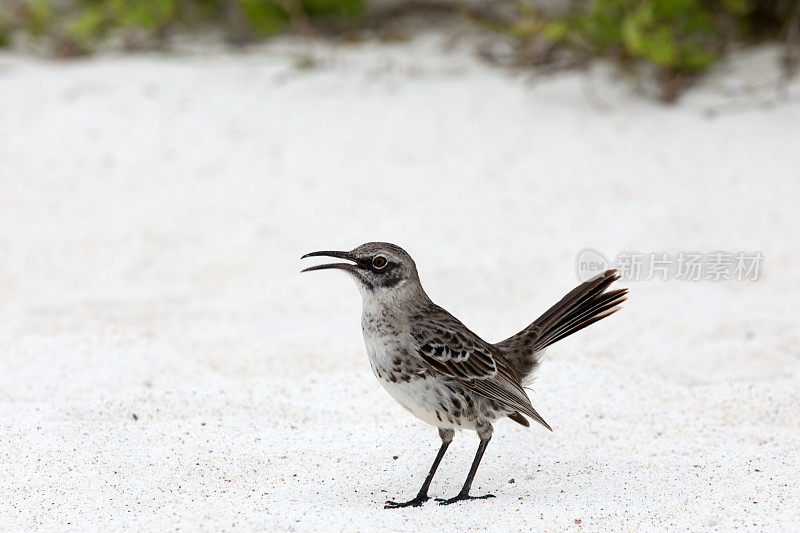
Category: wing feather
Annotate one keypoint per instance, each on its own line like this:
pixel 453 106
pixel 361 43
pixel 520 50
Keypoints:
pixel 452 349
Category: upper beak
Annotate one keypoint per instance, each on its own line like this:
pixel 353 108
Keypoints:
pixel 338 255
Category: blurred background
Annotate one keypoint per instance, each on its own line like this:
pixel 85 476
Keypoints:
pixel 165 163
pixel 675 40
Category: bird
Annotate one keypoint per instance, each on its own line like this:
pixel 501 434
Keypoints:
pixel 437 368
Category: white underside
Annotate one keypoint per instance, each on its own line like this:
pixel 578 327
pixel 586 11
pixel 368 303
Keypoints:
pixel 418 395
pixel 415 396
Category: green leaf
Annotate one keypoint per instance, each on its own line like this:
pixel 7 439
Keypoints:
pixel 87 27
pixel 697 59
pixel 342 8
pixel 632 35
pixel 146 14
pixel 267 18
pixel 556 31
pixel 40 17
pixel 739 7
pixel 659 47
pixel 671 9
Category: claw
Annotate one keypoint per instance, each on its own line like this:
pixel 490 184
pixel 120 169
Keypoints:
pixel 416 502
pixel 463 497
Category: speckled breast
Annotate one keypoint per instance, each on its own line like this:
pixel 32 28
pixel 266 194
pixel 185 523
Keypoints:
pixel 436 400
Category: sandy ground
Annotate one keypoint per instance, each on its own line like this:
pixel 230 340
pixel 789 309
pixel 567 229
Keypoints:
pixel 164 364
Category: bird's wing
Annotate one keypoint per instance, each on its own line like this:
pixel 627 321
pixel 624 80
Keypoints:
pixel 449 347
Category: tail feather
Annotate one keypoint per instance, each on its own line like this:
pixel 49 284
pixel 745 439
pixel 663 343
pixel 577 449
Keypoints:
pixel 599 308
pixel 582 306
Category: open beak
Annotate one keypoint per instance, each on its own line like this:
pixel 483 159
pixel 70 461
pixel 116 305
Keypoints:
pixel 338 255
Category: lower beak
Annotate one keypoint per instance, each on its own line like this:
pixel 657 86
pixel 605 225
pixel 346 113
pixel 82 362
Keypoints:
pixel 338 255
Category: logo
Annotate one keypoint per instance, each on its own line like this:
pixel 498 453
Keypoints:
pixel 590 263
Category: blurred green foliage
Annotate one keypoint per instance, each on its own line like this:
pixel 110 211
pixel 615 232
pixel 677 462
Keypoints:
pixel 676 38
pixel 71 27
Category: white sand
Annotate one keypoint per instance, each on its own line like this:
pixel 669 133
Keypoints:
pixel 152 214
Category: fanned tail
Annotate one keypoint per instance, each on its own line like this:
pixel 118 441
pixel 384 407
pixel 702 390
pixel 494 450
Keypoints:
pixel 584 305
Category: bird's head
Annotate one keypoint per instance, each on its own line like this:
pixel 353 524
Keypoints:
pixel 382 270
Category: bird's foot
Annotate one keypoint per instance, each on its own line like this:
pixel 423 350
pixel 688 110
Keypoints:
pixel 463 497
pixel 416 502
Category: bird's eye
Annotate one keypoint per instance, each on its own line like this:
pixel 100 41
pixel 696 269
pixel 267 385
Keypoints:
pixel 379 261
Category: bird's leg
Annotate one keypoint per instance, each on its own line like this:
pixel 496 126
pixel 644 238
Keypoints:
pixel 485 436
pixel 422 495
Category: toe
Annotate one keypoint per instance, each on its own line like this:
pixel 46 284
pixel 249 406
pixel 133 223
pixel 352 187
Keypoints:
pixel 416 502
pixel 463 497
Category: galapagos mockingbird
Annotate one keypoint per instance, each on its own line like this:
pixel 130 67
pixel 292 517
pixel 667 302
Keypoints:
pixel 438 369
